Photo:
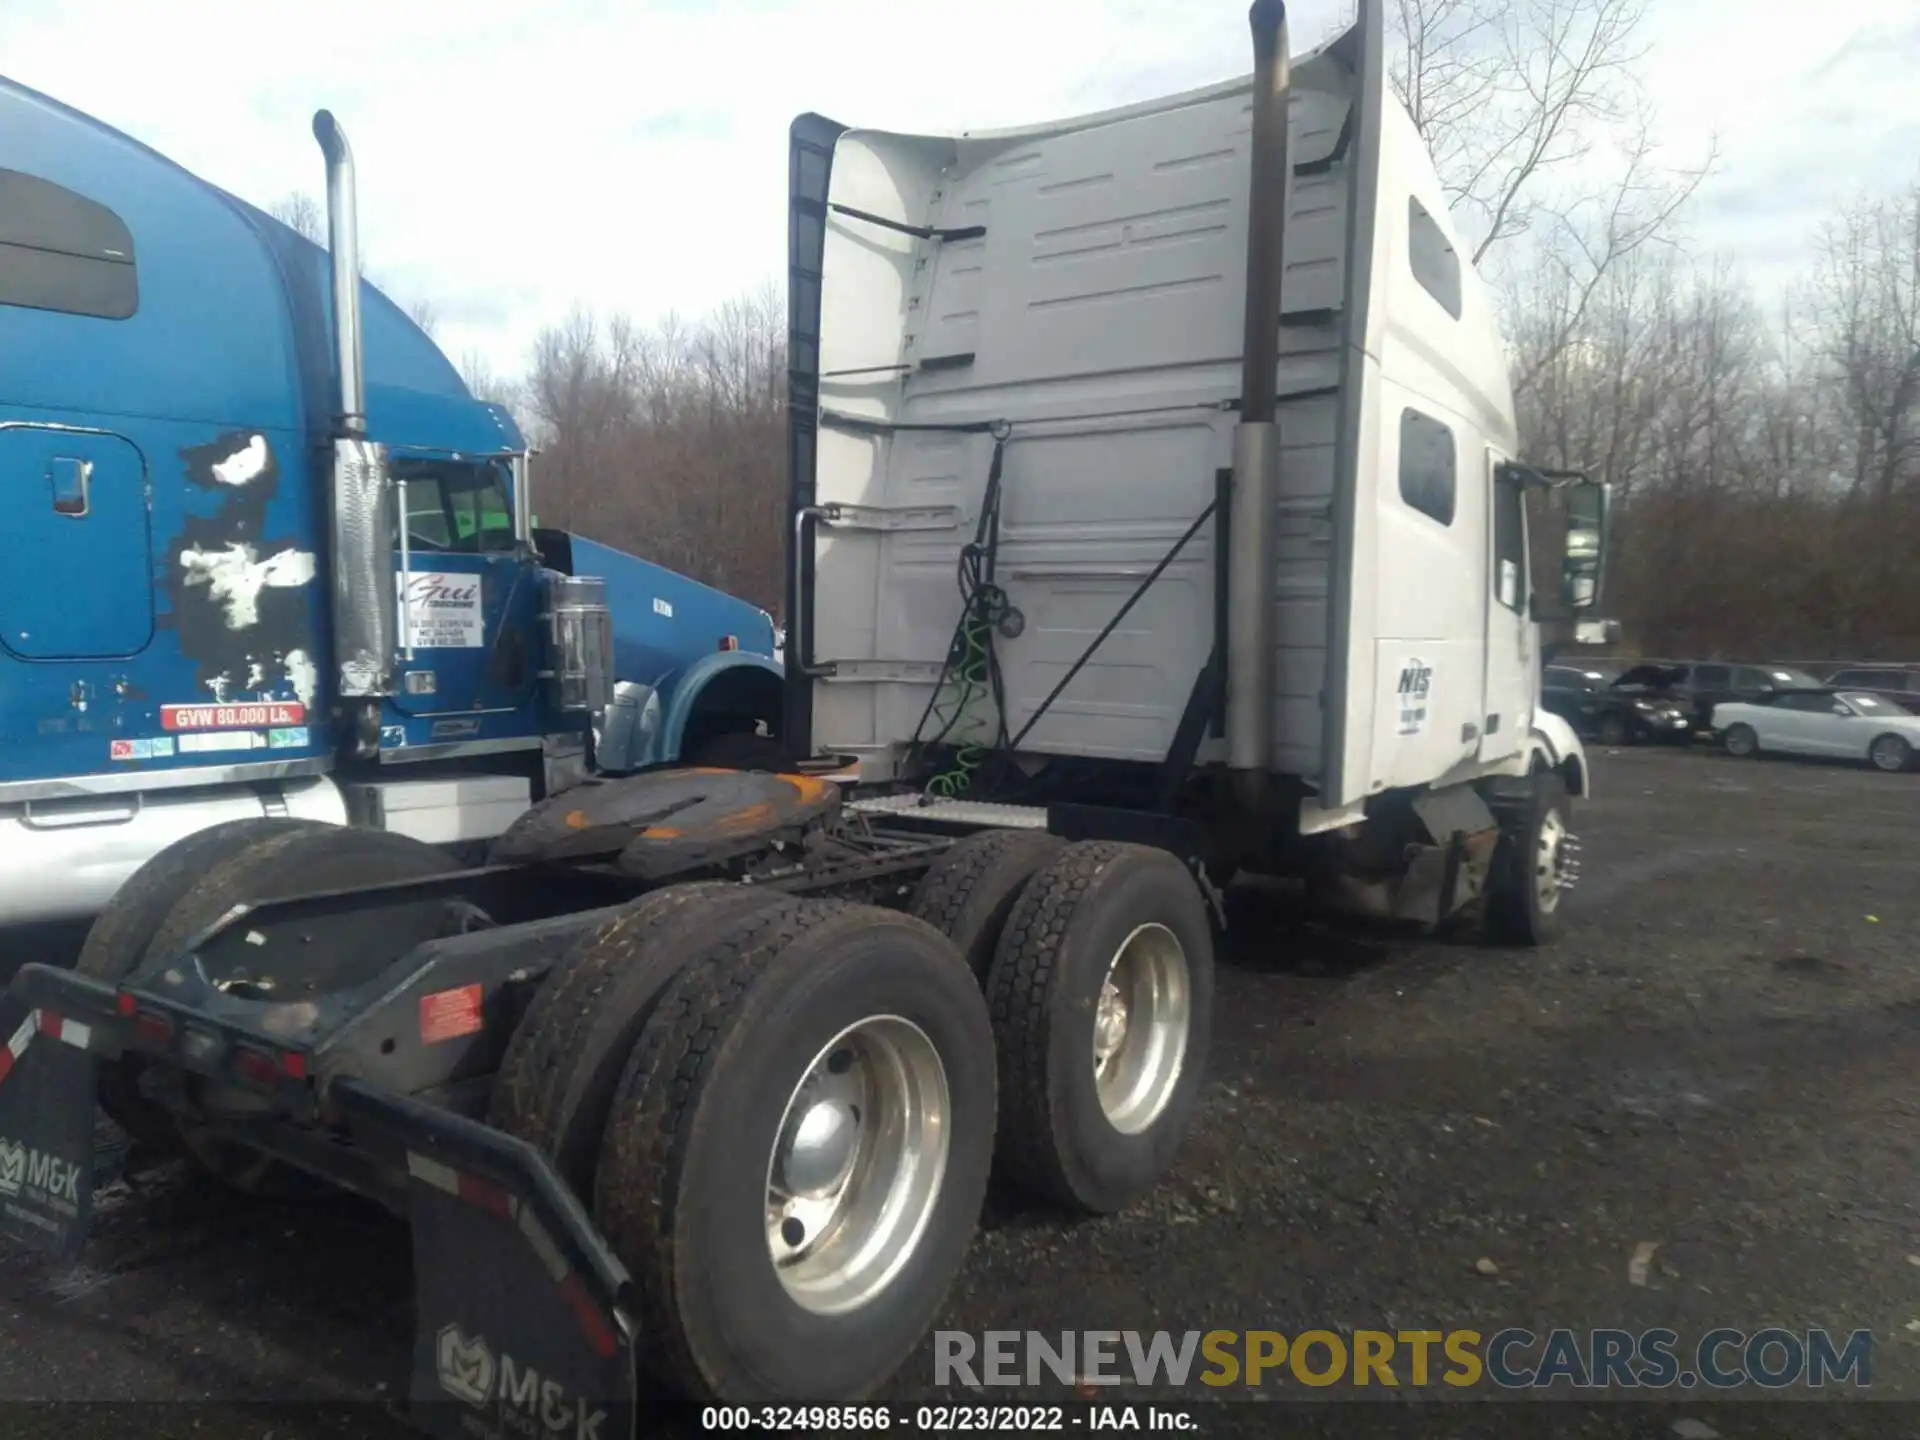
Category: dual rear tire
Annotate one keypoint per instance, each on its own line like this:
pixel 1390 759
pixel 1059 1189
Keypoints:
pixel 783 1112
pixel 786 1112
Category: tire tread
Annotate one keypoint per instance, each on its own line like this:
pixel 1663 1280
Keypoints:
pixel 1020 989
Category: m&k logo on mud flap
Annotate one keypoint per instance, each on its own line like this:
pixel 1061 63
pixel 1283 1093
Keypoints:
pixel 34 1175
pixel 517 1397
pixel 465 1365
pixel 1416 680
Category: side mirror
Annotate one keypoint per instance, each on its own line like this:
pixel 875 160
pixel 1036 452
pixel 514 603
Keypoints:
pixel 1589 504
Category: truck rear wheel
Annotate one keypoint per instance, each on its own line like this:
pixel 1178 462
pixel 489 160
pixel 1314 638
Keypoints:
pixel 968 893
pixel 124 932
pixel 564 1061
pixel 1532 865
pixel 795 1161
pixel 289 862
pixel 1102 1003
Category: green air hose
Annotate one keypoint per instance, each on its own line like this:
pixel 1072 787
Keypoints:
pixel 970 680
pixel 971 673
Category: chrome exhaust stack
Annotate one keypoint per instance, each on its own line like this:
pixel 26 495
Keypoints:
pixel 362 528
pixel 1256 441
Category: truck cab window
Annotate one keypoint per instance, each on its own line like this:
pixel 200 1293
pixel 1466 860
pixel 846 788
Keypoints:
pixel 1427 465
pixel 1509 545
pixel 61 251
pixel 1435 263
pixel 457 508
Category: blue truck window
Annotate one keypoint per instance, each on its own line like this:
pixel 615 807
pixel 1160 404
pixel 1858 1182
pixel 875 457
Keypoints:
pixel 457 508
pixel 61 251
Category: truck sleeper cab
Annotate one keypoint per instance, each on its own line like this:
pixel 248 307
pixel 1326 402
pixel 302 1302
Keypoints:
pixel 183 562
pixel 1044 349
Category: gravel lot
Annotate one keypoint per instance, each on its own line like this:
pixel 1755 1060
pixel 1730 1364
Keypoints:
pixel 1716 1060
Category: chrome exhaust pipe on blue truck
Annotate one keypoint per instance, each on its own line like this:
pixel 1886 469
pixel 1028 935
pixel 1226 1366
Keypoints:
pixel 363 601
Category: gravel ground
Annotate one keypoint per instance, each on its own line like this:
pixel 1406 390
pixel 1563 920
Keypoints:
pixel 1398 1133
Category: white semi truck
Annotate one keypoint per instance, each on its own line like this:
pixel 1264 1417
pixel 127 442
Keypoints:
pixel 1156 518
pixel 1170 454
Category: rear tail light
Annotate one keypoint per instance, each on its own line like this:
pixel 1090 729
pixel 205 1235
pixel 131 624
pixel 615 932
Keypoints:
pixel 257 1067
pixel 153 1031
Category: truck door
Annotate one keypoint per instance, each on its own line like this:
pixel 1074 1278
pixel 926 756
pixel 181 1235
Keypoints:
pixel 467 601
pixel 77 503
pixel 1510 686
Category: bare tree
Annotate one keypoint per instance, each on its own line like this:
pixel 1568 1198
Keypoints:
pixel 423 314
pixel 302 214
pixel 668 441
pixel 1538 128
pixel 484 382
pixel 1867 309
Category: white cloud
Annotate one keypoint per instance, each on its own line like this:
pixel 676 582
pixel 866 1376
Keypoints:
pixel 516 157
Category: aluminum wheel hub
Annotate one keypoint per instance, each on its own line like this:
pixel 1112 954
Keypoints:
pixel 1140 1027
pixel 857 1164
pixel 1555 867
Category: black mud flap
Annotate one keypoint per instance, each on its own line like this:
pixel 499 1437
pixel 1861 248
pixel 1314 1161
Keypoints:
pixel 46 1132
pixel 502 1349
pixel 520 1310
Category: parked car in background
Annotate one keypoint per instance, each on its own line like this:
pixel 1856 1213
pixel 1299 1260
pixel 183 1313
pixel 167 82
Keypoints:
pixel 1595 704
pixel 1699 685
pixel 1896 684
pixel 1838 724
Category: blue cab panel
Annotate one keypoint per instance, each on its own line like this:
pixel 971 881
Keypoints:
pixel 86 521
pixel 662 618
pixel 166 390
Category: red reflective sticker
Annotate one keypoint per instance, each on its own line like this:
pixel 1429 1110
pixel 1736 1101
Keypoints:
pixel 449 1014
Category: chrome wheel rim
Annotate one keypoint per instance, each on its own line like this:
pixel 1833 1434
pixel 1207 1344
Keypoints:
pixel 857 1164
pixel 1740 742
pixel 1550 875
pixel 1140 1027
pixel 1887 754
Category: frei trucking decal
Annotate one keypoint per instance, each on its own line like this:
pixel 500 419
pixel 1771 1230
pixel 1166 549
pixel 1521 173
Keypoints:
pixel 442 610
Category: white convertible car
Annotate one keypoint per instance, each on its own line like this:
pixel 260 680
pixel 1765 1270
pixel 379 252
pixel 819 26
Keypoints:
pixel 1844 724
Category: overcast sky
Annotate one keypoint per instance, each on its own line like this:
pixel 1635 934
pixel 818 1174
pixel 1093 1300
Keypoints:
pixel 516 157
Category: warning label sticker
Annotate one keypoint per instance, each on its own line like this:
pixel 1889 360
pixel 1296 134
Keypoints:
pixel 442 610
pixel 205 742
pixel 245 716
pixel 159 747
pixel 449 1014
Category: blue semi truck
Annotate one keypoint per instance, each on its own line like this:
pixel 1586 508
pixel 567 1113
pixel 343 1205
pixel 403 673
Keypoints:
pixel 210 433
